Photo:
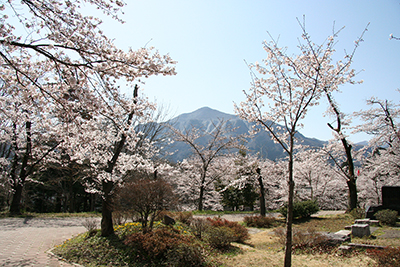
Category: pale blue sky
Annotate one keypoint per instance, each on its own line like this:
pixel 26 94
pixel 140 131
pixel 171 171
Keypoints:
pixel 211 39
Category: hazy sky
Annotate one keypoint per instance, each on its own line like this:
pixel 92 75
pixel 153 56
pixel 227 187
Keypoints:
pixel 212 39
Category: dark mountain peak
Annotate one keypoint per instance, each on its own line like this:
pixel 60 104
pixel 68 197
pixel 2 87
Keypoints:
pixel 203 114
pixel 205 118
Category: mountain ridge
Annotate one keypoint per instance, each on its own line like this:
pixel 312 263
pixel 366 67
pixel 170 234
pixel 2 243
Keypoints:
pixel 203 112
pixel 206 117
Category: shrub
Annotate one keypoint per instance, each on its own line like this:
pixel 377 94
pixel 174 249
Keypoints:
pixel 181 216
pixel 185 256
pixel 386 257
pixel 302 209
pixel 161 214
pixel 96 250
pixel 147 198
pixel 240 232
pixel 281 234
pixel 220 237
pixel 259 221
pixel 357 213
pixel 165 244
pixel 184 216
pixel 305 240
pixel 119 217
pixel 199 226
pixel 388 217
pixel 127 229
pixel 90 224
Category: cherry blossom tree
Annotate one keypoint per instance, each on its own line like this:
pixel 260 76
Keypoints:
pixel 61 77
pixel 340 123
pixel 218 142
pixel 343 158
pixel 273 175
pixel 309 170
pixel 381 121
pixel 249 172
pixel 292 85
pixel 27 136
pixel 347 172
pixel 189 180
pixel 316 179
pixel 244 177
pixel 381 167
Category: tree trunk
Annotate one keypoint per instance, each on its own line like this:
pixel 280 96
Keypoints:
pixel 15 208
pixel 289 218
pixel 16 187
pixel 262 193
pixel 92 202
pixel 312 193
pixel 289 221
pixel 201 196
pixel 351 177
pixel 352 196
pixel 71 198
pixel 107 228
pixel 58 203
pixel 19 183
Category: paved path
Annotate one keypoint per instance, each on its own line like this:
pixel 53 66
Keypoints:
pixel 328 212
pixel 26 241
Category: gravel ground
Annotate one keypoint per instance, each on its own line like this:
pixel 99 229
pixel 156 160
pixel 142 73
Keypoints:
pixel 390 234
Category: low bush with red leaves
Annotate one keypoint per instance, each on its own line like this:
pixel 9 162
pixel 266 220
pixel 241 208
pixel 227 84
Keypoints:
pixel 260 221
pixel 240 232
pixel 387 257
pixel 166 246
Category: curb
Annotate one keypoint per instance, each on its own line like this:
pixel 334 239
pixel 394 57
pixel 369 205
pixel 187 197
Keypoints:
pixel 61 259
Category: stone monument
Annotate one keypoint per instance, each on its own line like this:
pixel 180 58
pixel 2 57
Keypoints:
pixel 390 200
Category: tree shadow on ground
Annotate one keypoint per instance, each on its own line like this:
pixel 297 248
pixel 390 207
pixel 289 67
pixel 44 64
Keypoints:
pixel 307 219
